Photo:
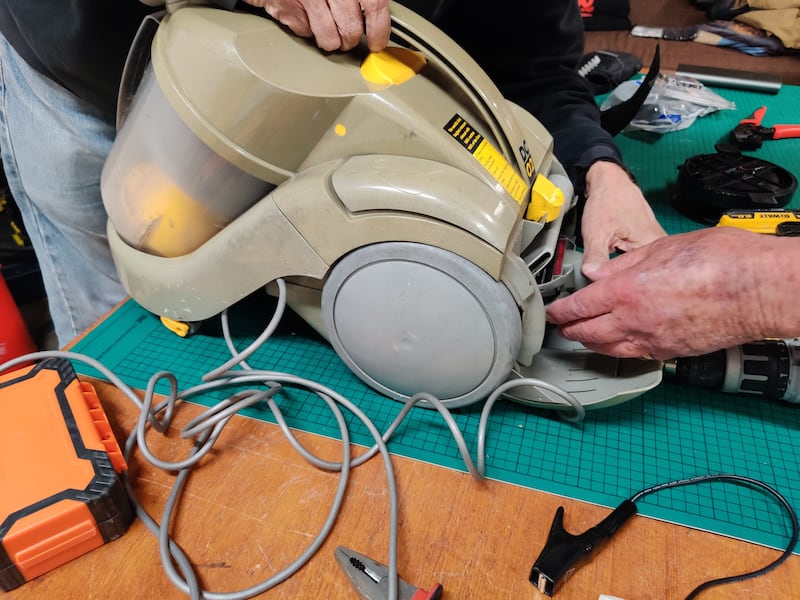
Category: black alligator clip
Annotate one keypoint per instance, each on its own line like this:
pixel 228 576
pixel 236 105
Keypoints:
pixel 564 550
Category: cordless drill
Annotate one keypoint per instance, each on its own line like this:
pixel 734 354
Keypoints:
pixel 769 369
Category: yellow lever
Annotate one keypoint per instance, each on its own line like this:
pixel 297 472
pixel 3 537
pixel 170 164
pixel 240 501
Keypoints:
pixel 546 200
pixel 392 65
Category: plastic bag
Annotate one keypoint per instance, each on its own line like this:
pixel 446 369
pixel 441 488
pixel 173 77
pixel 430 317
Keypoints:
pixel 674 103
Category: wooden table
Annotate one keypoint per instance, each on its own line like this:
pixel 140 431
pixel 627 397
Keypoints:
pixel 254 505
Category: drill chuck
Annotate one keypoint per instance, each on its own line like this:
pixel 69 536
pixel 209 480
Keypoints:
pixel 769 369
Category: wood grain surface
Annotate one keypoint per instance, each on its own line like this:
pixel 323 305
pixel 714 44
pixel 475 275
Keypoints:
pixel 254 505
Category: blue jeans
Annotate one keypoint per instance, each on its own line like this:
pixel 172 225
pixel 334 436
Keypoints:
pixel 53 146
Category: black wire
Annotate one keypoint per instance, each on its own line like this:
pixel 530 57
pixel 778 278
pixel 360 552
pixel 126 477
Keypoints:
pixel 735 479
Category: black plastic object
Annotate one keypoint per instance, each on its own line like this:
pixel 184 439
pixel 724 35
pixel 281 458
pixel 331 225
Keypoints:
pixel 706 371
pixel 616 118
pixel 606 69
pixel 605 15
pixel 563 550
pixel 763 368
pixel 710 184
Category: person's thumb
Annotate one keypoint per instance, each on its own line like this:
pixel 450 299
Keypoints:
pixel 594 257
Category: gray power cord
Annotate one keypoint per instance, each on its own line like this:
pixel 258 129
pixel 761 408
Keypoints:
pixel 251 387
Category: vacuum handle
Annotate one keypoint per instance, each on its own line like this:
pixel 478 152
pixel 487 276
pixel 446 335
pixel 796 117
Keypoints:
pixel 448 56
pixel 442 51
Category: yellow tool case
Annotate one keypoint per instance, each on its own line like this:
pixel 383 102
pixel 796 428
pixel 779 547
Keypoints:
pixel 60 490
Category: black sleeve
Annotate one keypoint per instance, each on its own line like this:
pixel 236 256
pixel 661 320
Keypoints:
pixel 531 50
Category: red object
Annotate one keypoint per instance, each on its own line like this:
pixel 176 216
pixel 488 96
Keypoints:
pixel 756 117
pixel 15 340
pixel 776 132
pixel 434 594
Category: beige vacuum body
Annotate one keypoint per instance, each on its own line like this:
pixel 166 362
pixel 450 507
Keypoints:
pixel 411 210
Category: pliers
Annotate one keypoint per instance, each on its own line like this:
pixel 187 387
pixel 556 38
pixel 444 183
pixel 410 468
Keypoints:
pixel 371 579
pixel 749 134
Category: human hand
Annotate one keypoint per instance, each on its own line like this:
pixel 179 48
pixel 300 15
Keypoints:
pixel 616 216
pixel 334 24
pixel 686 295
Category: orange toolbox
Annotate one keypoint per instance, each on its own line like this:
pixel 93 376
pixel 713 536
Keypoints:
pixel 60 490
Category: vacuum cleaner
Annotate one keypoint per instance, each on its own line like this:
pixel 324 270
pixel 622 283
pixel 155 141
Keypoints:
pixel 417 217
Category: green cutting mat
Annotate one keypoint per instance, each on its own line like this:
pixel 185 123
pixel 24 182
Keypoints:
pixel 654 159
pixel 669 433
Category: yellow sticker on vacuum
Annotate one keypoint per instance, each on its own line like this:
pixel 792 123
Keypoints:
pixel 488 156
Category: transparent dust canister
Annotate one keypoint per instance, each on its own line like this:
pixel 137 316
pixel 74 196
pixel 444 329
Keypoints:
pixel 166 192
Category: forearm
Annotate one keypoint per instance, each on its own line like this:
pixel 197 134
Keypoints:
pixel 774 273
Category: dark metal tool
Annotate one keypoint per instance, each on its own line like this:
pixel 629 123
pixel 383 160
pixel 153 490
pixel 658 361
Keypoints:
pixel 768 369
pixel 371 579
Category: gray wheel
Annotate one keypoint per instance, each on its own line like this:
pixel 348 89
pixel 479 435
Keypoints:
pixel 409 318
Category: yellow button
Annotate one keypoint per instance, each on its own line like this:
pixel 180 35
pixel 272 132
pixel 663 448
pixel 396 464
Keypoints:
pixel 546 200
pixel 392 65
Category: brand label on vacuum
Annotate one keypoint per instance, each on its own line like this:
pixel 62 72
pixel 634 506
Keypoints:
pixel 488 156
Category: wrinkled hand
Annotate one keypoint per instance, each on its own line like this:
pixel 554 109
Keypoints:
pixel 686 295
pixel 334 24
pixel 616 216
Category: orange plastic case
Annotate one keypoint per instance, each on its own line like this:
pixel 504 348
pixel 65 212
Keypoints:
pixel 60 493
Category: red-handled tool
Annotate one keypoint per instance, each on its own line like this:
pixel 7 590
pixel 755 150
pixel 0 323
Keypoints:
pixel 749 134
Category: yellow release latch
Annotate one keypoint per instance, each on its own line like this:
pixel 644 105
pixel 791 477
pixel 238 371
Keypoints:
pixel 392 65
pixel 546 200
